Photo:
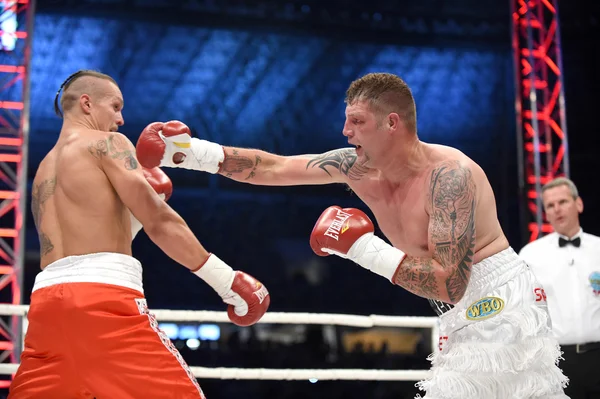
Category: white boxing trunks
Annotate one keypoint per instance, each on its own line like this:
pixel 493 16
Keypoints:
pixel 496 343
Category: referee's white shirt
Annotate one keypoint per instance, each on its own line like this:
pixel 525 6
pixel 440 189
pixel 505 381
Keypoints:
pixel 570 277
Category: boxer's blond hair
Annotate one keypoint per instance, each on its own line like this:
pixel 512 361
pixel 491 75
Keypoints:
pixel 71 97
pixel 385 93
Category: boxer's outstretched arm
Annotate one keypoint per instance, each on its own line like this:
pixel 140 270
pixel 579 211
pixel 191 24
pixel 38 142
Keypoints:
pixel 263 168
pixel 162 224
pixel 451 238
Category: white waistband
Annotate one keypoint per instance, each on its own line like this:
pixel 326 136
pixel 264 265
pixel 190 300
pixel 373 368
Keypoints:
pixel 486 276
pixel 103 267
pixel 495 271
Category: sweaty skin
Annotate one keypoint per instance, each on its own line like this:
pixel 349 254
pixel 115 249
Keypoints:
pixel 442 213
pixel 86 185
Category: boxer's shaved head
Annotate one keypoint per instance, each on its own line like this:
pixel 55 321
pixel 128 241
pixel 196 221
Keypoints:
pixel 88 82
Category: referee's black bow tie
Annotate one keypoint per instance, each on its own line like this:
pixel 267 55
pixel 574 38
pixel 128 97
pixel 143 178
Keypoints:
pixel 563 242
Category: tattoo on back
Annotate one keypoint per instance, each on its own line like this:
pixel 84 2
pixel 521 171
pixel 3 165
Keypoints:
pixel 452 229
pixel 40 194
pixel 344 160
pixel 115 147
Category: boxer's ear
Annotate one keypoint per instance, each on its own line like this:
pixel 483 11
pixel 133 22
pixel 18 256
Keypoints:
pixel 579 204
pixel 392 121
pixel 85 104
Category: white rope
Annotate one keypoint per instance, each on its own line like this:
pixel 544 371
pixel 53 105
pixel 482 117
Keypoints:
pixel 275 318
pixel 288 374
pixel 282 318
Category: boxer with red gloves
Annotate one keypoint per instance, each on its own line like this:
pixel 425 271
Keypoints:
pixel 432 202
pixel 90 332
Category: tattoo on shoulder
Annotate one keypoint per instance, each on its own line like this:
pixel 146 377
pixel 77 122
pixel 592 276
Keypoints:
pixel 40 194
pixel 115 147
pixel 452 230
pixel 344 160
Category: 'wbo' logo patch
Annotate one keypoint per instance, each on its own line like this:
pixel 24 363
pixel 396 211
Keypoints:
pixel 485 308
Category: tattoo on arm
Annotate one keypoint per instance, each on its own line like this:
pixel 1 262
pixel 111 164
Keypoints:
pixel 452 236
pixel 253 171
pixel 452 226
pixel 117 148
pixel 236 163
pixel 40 194
pixel 344 160
pixel 418 276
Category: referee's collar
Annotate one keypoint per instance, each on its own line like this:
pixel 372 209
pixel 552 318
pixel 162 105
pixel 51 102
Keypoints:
pixel 578 234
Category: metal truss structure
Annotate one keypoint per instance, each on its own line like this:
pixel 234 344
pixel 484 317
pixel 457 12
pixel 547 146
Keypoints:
pixel 16 22
pixel 540 104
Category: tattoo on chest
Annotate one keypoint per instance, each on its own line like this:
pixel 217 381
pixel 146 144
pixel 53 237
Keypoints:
pixel 40 194
pixel 115 147
pixel 453 224
pixel 344 160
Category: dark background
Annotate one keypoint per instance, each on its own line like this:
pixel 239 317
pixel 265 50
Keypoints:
pixel 272 75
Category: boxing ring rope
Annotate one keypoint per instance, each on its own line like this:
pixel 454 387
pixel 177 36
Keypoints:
pixel 280 318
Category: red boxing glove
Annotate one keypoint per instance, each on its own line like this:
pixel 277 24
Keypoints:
pixel 159 181
pixel 256 296
pixel 248 298
pixel 348 233
pixel 163 144
pixel 338 229
pixel 163 186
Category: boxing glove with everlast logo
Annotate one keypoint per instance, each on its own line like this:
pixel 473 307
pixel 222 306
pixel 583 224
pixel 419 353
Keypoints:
pixel 349 233
pixel 248 298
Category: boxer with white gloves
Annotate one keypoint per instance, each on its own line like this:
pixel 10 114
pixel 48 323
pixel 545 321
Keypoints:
pixel 90 332
pixel 438 210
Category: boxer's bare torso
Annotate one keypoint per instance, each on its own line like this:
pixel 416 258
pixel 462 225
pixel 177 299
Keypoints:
pixel 441 212
pixel 75 207
pixel 403 210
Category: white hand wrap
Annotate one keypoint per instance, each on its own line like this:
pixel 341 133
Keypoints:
pixel 201 155
pixel 216 273
pixel 219 275
pixel 374 254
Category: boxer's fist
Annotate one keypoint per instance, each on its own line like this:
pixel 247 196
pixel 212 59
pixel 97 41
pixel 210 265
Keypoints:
pixel 248 299
pixel 250 302
pixel 159 181
pixel 163 186
pixel 338 229
pixel 164 144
